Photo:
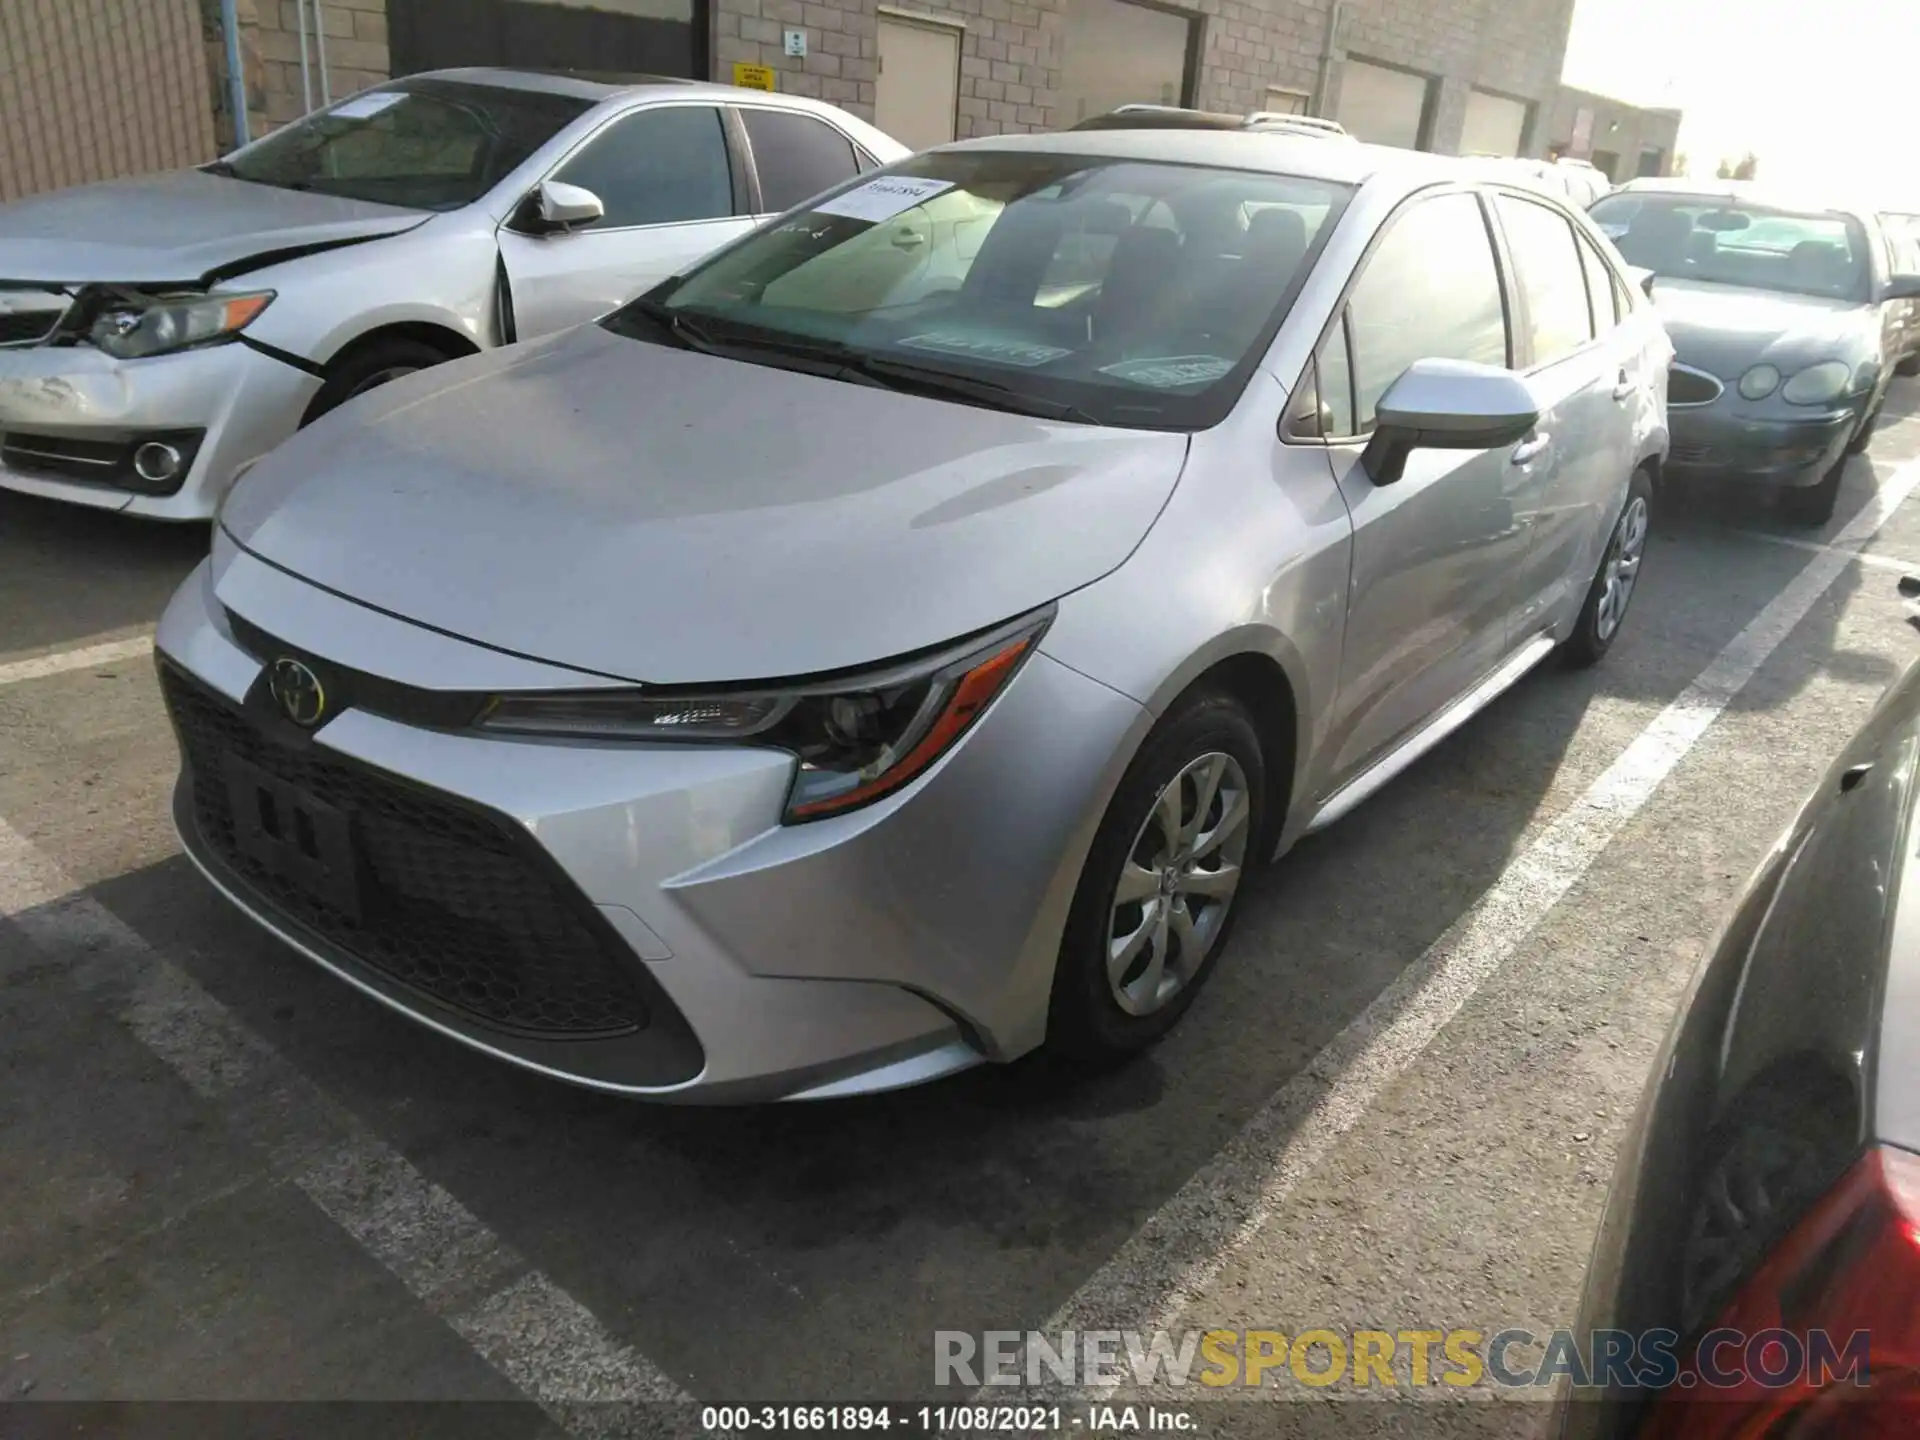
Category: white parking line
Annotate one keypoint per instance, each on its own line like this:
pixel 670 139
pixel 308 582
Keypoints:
pixel 61 661
pixel 1184 1245
pixel 543 1340
pixel 1878 562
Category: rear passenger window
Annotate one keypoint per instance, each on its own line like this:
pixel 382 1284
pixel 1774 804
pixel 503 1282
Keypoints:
pixel 1430 289
pixel 797 156
pixel 1551 277
pixel 1601 292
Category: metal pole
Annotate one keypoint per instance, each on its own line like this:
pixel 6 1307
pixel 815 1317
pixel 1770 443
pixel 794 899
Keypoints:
pixel 306 83
pixel 236 77
pixel 1326 56
pixel 320 42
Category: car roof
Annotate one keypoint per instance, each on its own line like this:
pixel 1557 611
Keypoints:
pixel 1743 192
pixel 1298 156
pixel 598 85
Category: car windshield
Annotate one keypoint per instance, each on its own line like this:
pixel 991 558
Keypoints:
pixel 1126 293
pixel 424 144
pixel 1701 237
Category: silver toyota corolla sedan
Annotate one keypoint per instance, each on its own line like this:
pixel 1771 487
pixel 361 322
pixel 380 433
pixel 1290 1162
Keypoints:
pixel 159 333
pixel 887 647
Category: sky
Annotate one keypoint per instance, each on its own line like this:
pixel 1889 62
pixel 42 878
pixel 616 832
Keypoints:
pixel 1823 91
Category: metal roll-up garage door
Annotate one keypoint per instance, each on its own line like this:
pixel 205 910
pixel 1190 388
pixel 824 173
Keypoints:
pixel 1495 125
pixel 1381 105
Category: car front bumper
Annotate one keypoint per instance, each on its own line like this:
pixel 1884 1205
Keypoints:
pixel 859 953
pixel 244 401
pixel 1716 440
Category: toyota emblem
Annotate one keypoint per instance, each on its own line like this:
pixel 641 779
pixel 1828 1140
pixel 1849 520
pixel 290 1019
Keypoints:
pixel 297 691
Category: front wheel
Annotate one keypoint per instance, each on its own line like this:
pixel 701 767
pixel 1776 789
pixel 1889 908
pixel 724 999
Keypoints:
pixel 1614 583
pixel 1156 898
pixel 368 368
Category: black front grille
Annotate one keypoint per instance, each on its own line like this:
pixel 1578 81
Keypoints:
pixel 26 327
pixel 452 905
pixel 1692 387
pixel 360 690
pixel 1690 454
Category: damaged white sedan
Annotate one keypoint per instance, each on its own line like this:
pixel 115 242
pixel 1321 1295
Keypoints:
pixel 158 334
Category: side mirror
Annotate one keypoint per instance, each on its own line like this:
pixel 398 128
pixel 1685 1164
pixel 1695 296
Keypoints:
pixel 555 207
pixel 1644 278
pixel 1902 287
pixel 1446 405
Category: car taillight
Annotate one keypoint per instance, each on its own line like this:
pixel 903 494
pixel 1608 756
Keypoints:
pixel 1850 1268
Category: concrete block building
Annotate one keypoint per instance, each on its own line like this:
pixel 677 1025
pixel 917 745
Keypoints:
pixel 1456 76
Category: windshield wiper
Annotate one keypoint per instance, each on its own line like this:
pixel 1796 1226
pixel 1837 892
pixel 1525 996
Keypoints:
pixel 923 380
pixel 692 334
pixel 844 362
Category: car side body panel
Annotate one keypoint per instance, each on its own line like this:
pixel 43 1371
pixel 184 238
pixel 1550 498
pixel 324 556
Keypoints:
pixel 1791 1031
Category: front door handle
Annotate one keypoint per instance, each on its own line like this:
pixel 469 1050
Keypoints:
pixel 908 240
pixel 1623 387
pixel 1529 450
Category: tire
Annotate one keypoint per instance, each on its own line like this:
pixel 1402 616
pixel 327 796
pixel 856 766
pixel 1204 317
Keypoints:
pixel 1813 504
pixel 1605 609
pixel 367 367
pixel 1098 1019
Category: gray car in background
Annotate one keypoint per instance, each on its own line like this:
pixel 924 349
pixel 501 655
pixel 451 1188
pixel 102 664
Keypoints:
pixel 889 646
pixel 157 334
pixel 1787 319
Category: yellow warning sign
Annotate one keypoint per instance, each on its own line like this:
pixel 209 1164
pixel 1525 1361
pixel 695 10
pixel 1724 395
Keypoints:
pixel 753 77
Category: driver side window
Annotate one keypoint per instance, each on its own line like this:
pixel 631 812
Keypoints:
pixel 655 167
pixel 1431 289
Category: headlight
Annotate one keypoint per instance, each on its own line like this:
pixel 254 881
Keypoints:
pixel 856 739
pixel 1759 382
pixel 174 322
pixel 1818 384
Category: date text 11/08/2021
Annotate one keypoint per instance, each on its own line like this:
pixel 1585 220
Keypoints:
pixel 1093 1419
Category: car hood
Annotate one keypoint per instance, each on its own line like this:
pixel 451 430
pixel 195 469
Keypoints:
pixel 178 227
pixel 668 517
pixel 1723 329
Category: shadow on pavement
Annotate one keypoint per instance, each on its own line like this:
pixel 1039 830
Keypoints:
pixel 68 574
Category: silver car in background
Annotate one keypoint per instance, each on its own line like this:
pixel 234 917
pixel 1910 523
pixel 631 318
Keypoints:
pixel 157 334
pixel 888 647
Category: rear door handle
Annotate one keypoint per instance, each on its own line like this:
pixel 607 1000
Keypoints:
pixel 1623 387
pixel 1529 450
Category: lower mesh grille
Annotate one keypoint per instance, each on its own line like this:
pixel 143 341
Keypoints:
pixel 449 902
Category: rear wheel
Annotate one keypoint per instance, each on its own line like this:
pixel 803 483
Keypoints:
pixel 1156 898
pixel 1619 575
pixel 1813 504
pixel 367 367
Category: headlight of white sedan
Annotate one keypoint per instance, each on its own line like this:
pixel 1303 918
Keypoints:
pixel 1820 384
pixel 164 323
pixel 857 738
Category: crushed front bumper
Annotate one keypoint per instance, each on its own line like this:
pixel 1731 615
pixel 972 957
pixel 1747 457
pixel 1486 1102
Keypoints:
pixel 61 400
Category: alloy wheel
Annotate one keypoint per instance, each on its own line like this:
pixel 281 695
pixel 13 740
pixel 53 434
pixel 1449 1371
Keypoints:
pixel 1622 567
pixel 1178 883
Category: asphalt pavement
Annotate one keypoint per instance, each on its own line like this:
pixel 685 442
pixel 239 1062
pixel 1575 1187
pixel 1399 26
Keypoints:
pixel 226 1177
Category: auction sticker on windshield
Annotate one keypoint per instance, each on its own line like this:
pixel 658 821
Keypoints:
pixel 982 347
pixel 1165 373
pixel 882 199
